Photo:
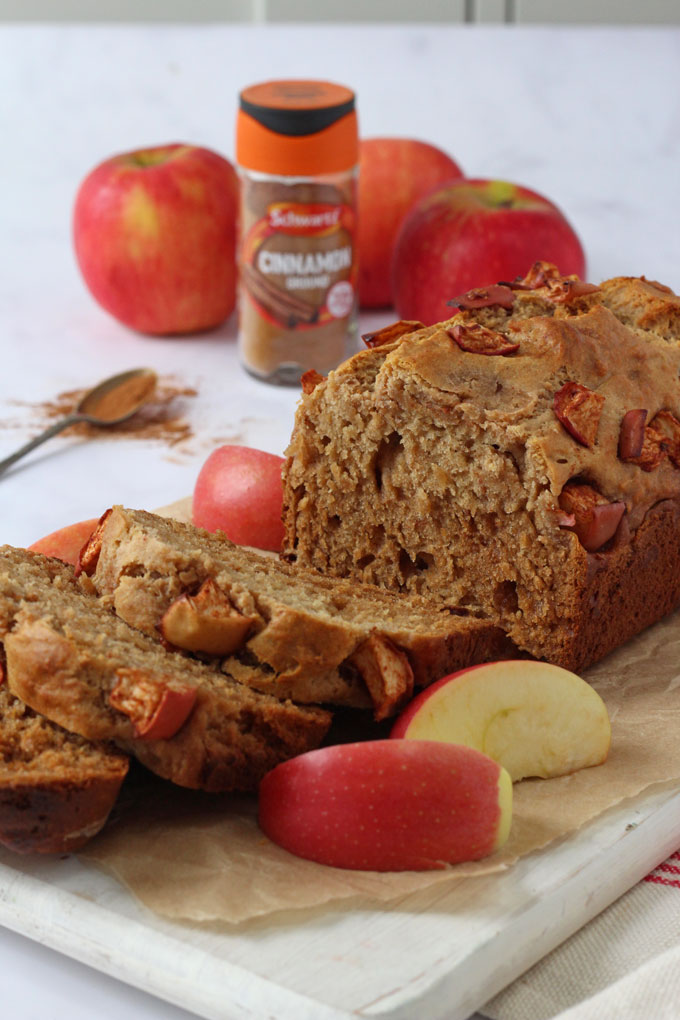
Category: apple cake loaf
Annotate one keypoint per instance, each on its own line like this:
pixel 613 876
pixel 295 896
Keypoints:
pixel 521 460
pixel 56 789
pixel 73 661
pixel 276 627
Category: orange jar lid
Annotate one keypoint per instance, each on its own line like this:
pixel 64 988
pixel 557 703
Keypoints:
pixel 297 128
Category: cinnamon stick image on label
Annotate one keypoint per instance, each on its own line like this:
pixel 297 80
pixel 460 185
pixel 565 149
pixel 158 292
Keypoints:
pixel 286 308
pixel 298 275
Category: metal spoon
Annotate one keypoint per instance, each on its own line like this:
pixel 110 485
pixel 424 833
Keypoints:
pixel 101 399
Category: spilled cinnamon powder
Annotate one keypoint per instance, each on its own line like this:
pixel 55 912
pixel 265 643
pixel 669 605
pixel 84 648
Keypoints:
pixel 161 419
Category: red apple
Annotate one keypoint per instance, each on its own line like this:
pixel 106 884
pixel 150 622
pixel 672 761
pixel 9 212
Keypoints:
pixel 532 718
pixel 239 491
pixel 155 238
pixel 388 805
pixel 474 233
pixel 394 173
pixel 65 543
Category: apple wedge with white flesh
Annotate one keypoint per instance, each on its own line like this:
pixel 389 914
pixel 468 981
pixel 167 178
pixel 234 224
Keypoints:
pixel 533 718
pixel 388 805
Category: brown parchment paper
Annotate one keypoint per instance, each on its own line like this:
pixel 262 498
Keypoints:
pixel 202 858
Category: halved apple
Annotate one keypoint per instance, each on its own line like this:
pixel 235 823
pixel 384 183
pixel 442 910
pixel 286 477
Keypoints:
pixel 532 718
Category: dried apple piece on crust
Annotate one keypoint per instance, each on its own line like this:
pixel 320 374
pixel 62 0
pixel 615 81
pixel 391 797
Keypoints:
pixel 561 289
pixel 668 427
pixel 653 451
pixel 632 433
pixel 499 295
pixel 579 410
pixel 540 275
pixel 476 339
pixel 388 334
pixel 310 380
pixel 568 290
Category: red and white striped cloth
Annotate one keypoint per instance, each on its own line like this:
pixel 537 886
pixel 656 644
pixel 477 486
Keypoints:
pixel 667 873
pixel 623 965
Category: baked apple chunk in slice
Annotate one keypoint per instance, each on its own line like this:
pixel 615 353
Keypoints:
pixel 157 706
pixel 532 718
pixel 205 622
pixel 387 673
pixel 589 515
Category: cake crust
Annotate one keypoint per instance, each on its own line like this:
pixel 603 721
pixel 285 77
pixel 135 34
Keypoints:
pixel 56 789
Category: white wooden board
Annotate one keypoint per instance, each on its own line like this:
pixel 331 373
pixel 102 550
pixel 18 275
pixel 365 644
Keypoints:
pixel 437 955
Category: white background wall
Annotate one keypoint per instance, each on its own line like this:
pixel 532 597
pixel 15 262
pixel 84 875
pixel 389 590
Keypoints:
pixel 630 12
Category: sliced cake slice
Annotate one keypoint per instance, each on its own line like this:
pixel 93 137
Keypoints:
pixel 74 661
pixel 274 626
pixel 56 789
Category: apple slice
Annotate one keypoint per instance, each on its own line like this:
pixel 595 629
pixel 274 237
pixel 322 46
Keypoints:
pixel 533 718
pixel 386 805
pixel 88 557
pixel 387 673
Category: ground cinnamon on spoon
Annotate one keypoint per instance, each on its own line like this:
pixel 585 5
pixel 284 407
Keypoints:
pixel 122 399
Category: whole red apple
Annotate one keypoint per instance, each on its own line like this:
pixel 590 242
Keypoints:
pixel 155 238
pixel 473 233
pixel 394 173
pixel 239 491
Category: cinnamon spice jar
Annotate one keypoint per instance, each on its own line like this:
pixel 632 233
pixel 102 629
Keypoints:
pixel 297 151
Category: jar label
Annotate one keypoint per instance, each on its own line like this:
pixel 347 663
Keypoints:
pixel 297 263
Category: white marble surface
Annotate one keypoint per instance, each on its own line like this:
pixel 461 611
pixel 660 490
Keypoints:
pixel 589 117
